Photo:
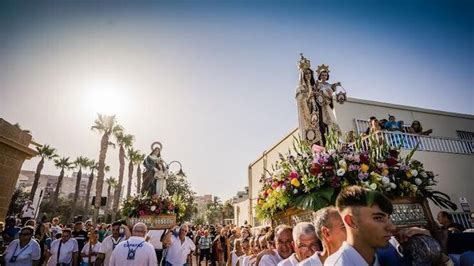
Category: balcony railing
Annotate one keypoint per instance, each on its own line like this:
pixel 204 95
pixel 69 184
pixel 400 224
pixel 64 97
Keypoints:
pixel 425 143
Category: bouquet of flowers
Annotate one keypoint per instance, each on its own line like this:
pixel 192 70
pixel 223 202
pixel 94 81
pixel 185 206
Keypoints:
pixel 142 205
pixel 310 178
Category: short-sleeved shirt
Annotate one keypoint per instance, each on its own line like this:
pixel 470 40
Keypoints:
pixel 24 256
pixel 270 260
pixel 178 252
pixel 347 255
pixel 108 246
pixel 155 238
pixel 144 253
pixel 290 261
pixel 314 260
pixel 204 242
pixel 94 248
pixel 66 252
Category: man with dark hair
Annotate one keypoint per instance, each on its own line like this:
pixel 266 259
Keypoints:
pixel 64 251
pixel 366 216
pixel 446 220
pixel 120 233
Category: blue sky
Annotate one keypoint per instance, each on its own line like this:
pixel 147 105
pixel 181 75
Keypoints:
pixel 215 80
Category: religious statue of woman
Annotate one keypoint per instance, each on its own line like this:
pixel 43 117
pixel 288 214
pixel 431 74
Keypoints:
pixel 324 96
pixel 156 173
pixel 308 108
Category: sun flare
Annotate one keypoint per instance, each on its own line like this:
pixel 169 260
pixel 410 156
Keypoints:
pixel 104 98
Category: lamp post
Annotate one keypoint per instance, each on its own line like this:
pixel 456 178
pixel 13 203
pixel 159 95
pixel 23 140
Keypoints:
pixel 180 173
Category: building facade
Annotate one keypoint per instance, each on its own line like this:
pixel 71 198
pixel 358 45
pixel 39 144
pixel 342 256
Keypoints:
pixel 448 151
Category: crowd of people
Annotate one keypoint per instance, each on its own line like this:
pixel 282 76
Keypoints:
pixel 357 231
pixel 392 124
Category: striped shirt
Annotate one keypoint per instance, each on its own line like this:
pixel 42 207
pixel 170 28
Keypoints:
pixel 204 242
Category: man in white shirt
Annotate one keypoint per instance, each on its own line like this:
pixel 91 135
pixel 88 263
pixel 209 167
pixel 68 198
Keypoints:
pixel 154 238
pixel 305 243
pixel 135 251
pixel 283 244
pixel 64 251
pixel 180 246
pixel 366 216
pixel 55 228
pixel 331 231
pixel 110 242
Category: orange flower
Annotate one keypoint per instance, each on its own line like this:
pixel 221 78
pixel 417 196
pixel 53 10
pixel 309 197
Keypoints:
pixel 295 182
pixel 364 168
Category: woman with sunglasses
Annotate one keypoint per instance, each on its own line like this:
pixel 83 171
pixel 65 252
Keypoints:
pixel 23 251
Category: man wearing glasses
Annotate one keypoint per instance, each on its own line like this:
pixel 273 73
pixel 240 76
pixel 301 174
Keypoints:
pixel 305 243
pixel 23 251
pixel 64 251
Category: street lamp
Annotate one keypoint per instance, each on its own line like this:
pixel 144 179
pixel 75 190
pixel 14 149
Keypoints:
pixel 180 173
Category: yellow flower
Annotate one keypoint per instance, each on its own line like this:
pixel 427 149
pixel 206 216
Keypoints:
pixel 385 172
pixel 260 201
pixel 269 191
pixel 364 168
pixel 409 174
pixel 295 182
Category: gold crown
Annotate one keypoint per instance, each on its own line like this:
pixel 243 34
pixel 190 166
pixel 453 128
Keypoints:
pixel 322 68
pixel 304 63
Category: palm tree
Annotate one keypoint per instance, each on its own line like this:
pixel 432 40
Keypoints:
pixel 140 158
pixel 45 152
pixel 93 165
pixel 124 141
pixel 106 125
pixel 81 162
pixel 63 164
pixel 133 157
pixel 111 183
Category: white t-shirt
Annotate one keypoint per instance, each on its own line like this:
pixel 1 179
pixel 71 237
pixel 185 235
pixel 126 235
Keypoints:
pixel 95 248
pixel 290 261
pixel 144 253
pixel 25 255
pixel 312 261
pixel 270 260
pixel 347 255
pixel 155 238
pixel 108 246
pixel 55 229
pixel 66 252
pixel 178 252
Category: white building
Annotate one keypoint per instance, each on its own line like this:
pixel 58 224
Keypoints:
pixel 448 151
pixel 240 202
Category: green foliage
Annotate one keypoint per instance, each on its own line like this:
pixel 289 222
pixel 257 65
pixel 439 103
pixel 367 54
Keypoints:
pixel 17 202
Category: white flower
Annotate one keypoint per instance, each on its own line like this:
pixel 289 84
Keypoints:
pixel 385 180
pixel 295 191
pixel 342 163
pixel 341 171
pixel 388 189
pixel 153 208
pixel 373 186
pixel 418 181
pixel 423 174
pixel 393 185
pixel 414 172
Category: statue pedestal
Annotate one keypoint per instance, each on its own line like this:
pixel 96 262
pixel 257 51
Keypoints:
pixel 154 222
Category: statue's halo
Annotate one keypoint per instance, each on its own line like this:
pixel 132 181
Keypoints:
pixel 153 145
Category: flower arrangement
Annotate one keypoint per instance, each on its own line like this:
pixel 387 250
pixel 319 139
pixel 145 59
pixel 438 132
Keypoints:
pixel 311 177
pixel 142 205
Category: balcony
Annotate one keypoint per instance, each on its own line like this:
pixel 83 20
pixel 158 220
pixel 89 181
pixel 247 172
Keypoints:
pixel 425 143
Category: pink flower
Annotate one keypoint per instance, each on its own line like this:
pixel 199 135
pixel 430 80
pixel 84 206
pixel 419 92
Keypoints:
pixel 293 175
pixel 141 213
pixel 318 149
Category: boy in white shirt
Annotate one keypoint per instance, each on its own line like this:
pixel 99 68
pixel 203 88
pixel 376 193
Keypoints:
pixel 366 216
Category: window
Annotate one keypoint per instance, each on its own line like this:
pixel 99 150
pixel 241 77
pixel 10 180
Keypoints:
pixel 465 135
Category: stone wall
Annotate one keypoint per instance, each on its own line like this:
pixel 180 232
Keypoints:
pixel 14 149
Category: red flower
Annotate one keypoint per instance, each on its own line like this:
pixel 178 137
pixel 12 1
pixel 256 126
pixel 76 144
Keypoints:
pixel 315 169
pixel 364 158
pixel 141 213
pixel 393 153
pixel 391 162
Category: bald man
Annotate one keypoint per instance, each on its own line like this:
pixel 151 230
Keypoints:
pixel 135 251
